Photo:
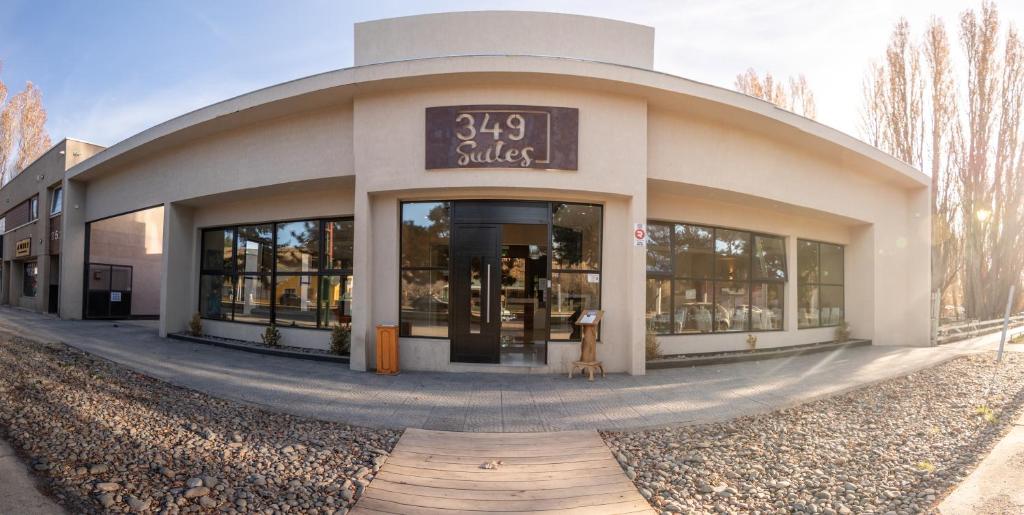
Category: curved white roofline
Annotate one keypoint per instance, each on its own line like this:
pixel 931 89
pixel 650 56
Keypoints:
pixel 639 81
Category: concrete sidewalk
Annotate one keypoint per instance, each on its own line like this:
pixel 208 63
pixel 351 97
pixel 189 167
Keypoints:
pixel 486 402
pixel 997 485
pixel 18 491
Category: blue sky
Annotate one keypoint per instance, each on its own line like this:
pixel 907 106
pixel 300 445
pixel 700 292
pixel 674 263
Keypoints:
pixel 109 69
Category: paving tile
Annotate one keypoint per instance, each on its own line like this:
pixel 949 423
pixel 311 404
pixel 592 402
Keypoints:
pixel 486 402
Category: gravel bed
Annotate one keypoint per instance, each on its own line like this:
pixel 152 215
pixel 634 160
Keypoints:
pixel 106 439
pixel 896 447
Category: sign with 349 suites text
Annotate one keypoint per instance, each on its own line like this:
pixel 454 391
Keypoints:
pixel 502 136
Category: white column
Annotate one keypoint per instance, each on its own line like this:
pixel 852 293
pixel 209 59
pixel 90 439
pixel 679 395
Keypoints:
pixel 362 270
pixel 637 281
pixel 178 280
pixel 72 251
pixel 863 299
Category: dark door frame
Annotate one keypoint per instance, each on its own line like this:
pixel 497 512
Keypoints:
pixel 469 214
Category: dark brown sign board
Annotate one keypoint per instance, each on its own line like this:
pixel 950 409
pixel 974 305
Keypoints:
pixel 502 136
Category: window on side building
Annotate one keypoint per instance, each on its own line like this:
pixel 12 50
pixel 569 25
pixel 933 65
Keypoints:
pixel 703 279
pixel 820 284
pixel 33 208
pixel 57 201
pixel 423 296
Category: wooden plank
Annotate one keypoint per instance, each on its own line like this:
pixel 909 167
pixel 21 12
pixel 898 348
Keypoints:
pixel 426 462
pixel 438 473
pixel 437 482
pixel 500 453
pixel 522 442
pixel 518 460
pixel 497 495
pixel 498 438
pixel 494 475
pixel 406 509
pixel 490 505
pixel 507 438
pixel 565 447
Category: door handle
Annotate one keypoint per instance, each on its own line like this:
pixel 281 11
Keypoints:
pixel 487 299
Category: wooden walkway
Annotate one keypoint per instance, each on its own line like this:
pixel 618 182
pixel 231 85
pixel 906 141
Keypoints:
pixel 440 472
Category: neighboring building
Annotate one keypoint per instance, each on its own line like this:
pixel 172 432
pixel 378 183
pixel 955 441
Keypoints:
pixel 481 178
pixel 31 209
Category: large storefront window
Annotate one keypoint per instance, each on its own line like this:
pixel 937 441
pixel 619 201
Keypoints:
pixel 426 231
pixel 706 279
pixel 820 284
pixel 293 274
pixel 576 266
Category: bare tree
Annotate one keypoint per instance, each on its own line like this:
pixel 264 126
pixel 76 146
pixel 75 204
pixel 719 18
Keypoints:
pixel 33 140
pixel 942 147
pixel 23 136
pixel 894 91
pixel 797 98
pixel 970 144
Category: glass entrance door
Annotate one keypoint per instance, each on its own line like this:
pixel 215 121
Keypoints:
pixel 524 294
pixel 475 290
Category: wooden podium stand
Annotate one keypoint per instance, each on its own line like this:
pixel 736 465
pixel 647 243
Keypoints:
pixel 588 362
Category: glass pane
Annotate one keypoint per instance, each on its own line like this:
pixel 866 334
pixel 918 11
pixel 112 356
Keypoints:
pixel 766 311
pixel 58 201
pixel 99 277
pixel 296 301
pixel 807 302
pixel 576 237
pixel 425 233
pixel 217 244
pixel 338 238
pixel 335 300
pixel 693 307
pixel 523 297
pixel 476 294
pixel 695 255
pixel 659 306
pixel 424 303
pixel 831 264
pixel 216 294
pixel 733 254
pixel 255 251
pixel 832 305
pixel 659 245
pixel 571 293
pixel 731 306
pixel 120 278
pixel 769 258
pixel 253 302
pixel 298 246
pixel 29 282
pixel 807 261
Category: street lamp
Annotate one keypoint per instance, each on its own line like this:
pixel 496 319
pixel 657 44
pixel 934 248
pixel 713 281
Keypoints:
pixel 983 215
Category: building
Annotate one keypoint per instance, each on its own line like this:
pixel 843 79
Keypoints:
pixel 480 191
pixel 31 207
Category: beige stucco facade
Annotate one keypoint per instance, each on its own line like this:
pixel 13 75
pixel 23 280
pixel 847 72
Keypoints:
pixel 650 147
pixel 43 231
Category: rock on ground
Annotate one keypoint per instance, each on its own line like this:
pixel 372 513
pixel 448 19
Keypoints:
pixel 894 447
pixel 105 439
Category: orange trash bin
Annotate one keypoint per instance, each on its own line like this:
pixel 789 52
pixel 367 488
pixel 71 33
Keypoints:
pixel 387 349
